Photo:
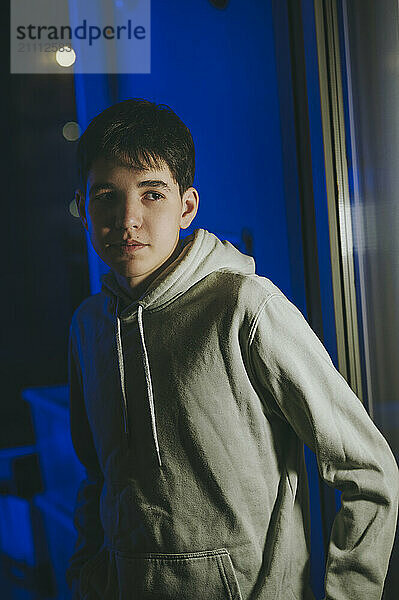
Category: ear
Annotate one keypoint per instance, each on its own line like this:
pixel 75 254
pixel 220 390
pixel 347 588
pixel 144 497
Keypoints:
pixel 190 202
pixel 81 206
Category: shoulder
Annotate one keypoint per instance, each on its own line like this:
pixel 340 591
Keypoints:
pixel 250 292
pixel 89 311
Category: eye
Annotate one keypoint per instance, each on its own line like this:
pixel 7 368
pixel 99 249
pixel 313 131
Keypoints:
pixel 104 196
pixel 158 196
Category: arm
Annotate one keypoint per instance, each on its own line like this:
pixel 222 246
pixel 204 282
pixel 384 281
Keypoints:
pixel 86 517
pixel 292 365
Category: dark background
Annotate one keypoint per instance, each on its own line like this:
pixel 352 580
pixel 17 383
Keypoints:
pixel 45 273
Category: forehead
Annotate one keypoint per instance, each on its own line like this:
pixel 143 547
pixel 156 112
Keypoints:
pixel 107 170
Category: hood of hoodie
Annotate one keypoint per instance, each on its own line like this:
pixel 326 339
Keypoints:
pixel 202 253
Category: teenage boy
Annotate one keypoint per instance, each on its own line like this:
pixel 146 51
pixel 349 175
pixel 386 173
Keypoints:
pixel 193 384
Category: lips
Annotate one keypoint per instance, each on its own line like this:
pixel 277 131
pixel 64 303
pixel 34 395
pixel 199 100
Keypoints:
pixel 131 244
pixel 127 247
pixel 128 243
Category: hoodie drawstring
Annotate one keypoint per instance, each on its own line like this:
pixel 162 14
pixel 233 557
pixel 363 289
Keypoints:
pixel 149 382
pixel 147 376
pixel 121 368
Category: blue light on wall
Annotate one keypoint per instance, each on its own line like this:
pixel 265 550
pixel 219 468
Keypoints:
pixel 226 92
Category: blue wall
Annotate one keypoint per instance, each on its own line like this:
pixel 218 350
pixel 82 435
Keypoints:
pixel 216 69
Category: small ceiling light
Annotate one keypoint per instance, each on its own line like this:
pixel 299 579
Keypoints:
pixel 71 131
pixel 73 209
pixel 65 56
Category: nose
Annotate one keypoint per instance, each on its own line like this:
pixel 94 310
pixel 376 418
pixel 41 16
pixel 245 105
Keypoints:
pixel 128 214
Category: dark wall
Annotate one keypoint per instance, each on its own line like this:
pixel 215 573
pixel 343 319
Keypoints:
pixel 44 274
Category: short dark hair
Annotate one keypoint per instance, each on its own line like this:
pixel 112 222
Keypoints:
pixel 139 134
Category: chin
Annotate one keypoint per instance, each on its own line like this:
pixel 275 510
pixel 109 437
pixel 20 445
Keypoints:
pixel 126 272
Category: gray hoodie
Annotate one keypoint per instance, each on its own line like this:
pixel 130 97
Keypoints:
pixel 189 409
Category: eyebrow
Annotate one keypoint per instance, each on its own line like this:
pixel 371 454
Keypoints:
pixel 101 186
pixel 153 183
pixel 147 183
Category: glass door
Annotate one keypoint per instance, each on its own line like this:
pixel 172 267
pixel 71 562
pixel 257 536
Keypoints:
pixel 368 37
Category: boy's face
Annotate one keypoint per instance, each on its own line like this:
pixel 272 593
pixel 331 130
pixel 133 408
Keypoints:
pixel 122 205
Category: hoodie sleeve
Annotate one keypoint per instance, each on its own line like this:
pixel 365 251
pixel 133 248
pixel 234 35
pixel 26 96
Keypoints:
pixel 86 515
pixel 293 367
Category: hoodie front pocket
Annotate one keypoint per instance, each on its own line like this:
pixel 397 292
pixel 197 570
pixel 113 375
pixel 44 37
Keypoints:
pixel 208 575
